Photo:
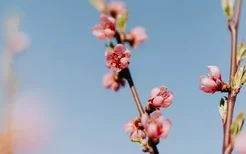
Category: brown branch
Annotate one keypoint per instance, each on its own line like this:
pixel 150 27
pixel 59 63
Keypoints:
pixel 233 27
pixel 238 12
pixel 10 92
pixel 126 74
pixel 229 149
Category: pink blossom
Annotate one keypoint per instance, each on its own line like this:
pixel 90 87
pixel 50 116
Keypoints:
pixel 134 130
pixel 156 126
pixel 18 42
pixel 139 36
pixel 240 143
pixel 214 72
pixel 116 8
pixel 212 82
pixel 161 97
pixel 209 85
pixel 111 80
pixel 118 58
pixel 106 29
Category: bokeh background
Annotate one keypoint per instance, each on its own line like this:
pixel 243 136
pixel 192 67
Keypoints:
pixel 63 107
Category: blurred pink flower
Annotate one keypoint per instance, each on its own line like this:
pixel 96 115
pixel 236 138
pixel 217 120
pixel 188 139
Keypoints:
pixel 106 29
pixel 134 130
pixel 111 80
pixel 212 82
pixel 118 58
pixel 31 121
pixel 161 97
pixel 240 143
pixel 18 42
pixel 155 125
pixel 116 8
pixel 139 36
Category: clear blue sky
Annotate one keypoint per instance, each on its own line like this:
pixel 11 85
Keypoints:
pixel 66 62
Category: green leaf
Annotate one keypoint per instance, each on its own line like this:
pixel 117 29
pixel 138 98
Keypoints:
pixel 240 120
pixel 237 81
pixel 243 79
pixel 100 5
pixel 237 126
pixel 121 21
pixel 110 48
pixel 223 108
pixel 234 130
pixel 241 53
pixel 228 12
pixel 136 139
pixel 228 8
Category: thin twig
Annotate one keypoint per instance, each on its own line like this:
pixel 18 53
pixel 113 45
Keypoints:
pixel 229 148
pixel 125 73
pixel 233 27
pixel 10 91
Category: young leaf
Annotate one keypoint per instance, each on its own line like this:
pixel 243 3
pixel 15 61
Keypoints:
pixel 241 53
pixel 100 5
pixel 223 108
pixel 237 125
pixel 228 8
pixel 136 139
pixel 121 22
pixel 240 120
pixel 243 79
pixel 234 130
pixel 110 48
pixel 237 79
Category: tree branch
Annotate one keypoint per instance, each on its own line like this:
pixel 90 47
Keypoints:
pixel 233 27
pixel 125 73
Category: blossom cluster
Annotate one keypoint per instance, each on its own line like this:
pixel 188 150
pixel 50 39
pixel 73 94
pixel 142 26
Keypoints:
pixel 213 83
pixel 151 125
pixel 152 122
pixel 117 55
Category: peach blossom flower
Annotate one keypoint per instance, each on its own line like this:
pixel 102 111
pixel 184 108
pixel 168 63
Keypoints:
pixel 106 29
pixel 116 8
pixel 240 143
pixel 18 42
pixel 214 72
pixel 139 36
pixel 155 125
pixel 118 58
pixel 134 130
pixel 212 82
pixel 161 97
pixel 111 80
pixel 32 121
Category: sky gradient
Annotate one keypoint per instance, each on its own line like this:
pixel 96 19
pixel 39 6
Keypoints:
pixel 65 63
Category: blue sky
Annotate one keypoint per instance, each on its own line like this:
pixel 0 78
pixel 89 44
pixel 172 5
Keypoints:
pixel 66 63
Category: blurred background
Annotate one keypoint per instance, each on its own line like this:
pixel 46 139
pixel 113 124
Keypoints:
pixel 61 106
